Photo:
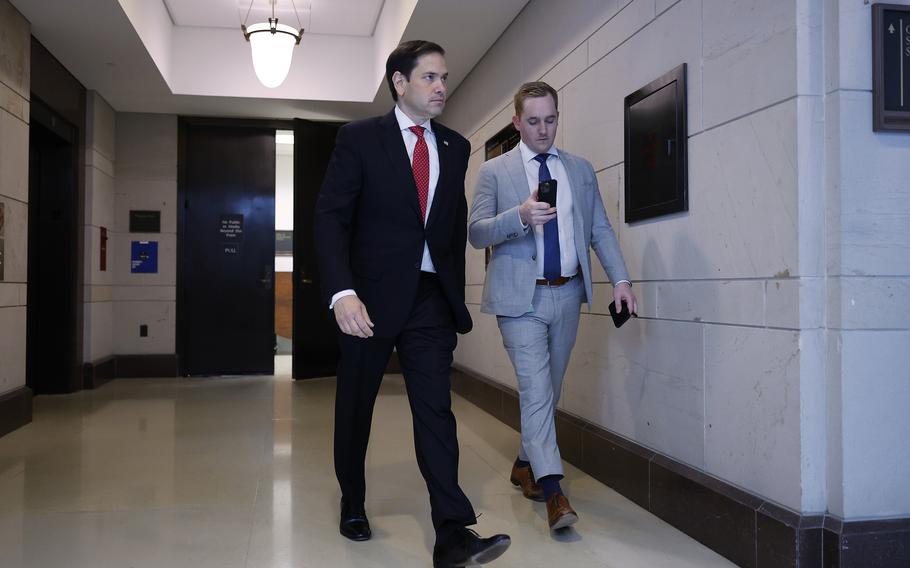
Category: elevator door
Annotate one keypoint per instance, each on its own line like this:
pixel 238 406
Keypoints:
pixel 51 355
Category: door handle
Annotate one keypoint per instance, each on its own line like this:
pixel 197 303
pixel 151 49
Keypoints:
pixel 266 279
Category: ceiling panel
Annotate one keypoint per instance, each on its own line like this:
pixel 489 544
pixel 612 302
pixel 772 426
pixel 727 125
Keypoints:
pixel 330 17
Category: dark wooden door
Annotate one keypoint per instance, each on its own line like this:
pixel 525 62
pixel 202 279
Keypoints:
pixel 315 332
pixel 51 357
pixel 227 307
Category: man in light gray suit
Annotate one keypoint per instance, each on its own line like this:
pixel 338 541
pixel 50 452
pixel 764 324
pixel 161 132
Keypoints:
pixel 539 275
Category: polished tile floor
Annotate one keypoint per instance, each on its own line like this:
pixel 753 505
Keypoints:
pixel 237 472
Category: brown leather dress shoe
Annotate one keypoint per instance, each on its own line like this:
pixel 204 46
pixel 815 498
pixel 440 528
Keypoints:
pixel 523 477
pixel 559 512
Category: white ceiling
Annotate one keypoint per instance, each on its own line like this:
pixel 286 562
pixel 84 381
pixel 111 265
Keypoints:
pixel 332 17
pixel 189 56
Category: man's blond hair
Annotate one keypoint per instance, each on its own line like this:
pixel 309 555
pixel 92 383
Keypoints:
pixel 534 90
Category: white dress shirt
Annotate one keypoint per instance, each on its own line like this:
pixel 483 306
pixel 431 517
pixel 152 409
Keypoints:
pixel 568 259
pixel 410 141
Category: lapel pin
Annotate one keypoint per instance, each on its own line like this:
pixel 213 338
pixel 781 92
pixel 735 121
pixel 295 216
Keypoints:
pixel 446 142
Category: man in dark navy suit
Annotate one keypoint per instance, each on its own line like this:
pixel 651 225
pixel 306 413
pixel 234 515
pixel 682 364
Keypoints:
pixel 390 236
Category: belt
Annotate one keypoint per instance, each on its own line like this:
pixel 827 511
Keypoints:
pixel 557 282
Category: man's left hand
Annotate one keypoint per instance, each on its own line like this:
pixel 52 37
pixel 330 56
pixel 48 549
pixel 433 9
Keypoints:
pixel 622 292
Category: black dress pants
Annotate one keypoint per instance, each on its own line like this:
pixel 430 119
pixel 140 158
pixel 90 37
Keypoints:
pixel 425 347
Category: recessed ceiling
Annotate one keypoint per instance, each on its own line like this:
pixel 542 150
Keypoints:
pixel 189 56
pixel 329 17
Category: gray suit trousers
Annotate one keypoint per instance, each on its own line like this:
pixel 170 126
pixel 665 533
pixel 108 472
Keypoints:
pixel 539 344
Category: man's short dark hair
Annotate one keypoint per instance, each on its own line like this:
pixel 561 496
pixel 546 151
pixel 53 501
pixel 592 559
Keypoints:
pixel 404 59
pixel 533 90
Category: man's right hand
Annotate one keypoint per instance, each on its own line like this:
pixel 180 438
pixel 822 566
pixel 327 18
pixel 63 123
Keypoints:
pixel 352 317
pixel 533 212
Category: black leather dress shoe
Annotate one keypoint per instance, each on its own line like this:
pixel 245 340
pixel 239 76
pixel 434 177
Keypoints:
pixel 466 548
pixel 354 524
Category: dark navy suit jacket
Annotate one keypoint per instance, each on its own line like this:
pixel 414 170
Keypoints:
pixel 369 233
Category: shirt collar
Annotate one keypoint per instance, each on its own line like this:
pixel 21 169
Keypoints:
pixel 405 122
pixel 527 154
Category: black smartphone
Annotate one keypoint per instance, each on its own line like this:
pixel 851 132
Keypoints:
pixel 546 191
pixel 620 317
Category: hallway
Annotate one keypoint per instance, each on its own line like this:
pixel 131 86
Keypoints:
pixel 237 472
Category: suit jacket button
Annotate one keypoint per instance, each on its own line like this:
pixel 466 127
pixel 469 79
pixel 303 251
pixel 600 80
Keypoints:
pixel 417 265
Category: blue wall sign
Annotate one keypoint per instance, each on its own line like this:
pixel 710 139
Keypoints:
pixel 144 258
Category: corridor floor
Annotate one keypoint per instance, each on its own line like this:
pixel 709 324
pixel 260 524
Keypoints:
pixel 237 472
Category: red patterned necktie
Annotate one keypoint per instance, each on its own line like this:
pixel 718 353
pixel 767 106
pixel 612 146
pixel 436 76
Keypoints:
pixel 421 168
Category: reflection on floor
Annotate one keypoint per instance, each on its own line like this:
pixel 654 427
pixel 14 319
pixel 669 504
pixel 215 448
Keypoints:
pixel 237 472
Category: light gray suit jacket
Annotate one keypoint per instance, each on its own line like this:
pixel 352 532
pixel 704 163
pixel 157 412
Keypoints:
pixel 502 187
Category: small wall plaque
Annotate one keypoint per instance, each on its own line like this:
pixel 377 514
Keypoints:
pixel 501 142
pixel 145 221
pixel 497 145
pixel 890 67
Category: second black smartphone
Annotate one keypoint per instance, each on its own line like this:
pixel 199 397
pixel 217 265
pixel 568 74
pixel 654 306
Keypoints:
pixel 546 192
pixel 619 318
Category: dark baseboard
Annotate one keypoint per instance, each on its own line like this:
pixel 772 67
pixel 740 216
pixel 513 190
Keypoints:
pixel 740 526
pixel 15 409
pixel 98 372
pixel 884 543
pixel 146 366
pixel 107 369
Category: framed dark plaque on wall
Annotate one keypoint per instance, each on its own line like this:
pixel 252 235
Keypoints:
pixel 655 148
pixel 890 67
pixel 145 221
pixel 501 142
pixel 497 145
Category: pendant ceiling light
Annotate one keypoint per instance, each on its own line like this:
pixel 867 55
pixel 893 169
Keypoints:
pixel 272 45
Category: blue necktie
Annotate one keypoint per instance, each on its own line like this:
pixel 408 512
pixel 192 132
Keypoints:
pixel 552 268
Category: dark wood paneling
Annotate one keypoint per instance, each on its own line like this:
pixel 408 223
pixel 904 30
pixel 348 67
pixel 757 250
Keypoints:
pixel 98 372
pixel 711 518
pixel 15 409
pixel 56 86
pixel 616 466
pixel 284 304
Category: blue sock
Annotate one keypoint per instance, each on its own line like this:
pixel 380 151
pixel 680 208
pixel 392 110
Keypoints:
pixel 550 485
pixel 521 463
